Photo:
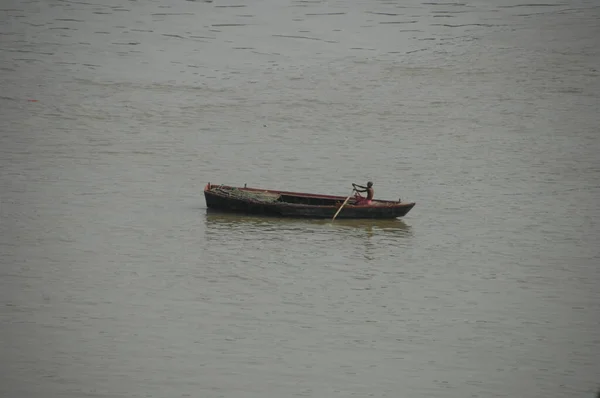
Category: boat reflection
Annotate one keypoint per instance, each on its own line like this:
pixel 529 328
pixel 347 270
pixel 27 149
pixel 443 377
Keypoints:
pixel 219 219
pixel 374 238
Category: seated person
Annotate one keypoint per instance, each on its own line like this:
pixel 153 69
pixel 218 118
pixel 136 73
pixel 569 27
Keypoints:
pixel 360 201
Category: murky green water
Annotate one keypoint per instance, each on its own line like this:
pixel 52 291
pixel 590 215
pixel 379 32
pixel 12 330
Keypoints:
pixel 115 280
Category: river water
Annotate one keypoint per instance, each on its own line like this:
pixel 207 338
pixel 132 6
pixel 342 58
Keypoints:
pixel 115 280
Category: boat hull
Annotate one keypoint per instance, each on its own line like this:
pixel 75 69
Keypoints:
pixel 298 205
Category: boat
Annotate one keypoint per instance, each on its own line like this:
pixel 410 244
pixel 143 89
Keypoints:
pixel 297 204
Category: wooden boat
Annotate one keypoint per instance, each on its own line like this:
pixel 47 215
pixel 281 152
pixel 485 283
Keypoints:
pixel 297 204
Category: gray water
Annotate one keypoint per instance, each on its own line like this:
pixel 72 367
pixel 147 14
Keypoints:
pixel 115 280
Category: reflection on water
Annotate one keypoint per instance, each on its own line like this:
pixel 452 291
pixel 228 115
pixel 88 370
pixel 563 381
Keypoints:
pixel 218 219
pixel 368 239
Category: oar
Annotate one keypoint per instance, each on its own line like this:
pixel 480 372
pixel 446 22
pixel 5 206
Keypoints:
pixel 343 204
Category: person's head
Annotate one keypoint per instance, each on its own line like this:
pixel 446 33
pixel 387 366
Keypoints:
pixel 369 184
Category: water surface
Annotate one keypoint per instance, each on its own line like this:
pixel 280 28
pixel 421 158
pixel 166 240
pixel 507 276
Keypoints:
pixel 115 280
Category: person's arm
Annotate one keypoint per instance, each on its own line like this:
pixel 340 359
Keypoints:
pixel 363 189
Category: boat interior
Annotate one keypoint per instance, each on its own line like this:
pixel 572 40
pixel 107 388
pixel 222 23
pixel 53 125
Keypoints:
pixel 268 196
pixel 312 201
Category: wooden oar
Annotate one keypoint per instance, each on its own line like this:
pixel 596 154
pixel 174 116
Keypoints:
pixel 343 204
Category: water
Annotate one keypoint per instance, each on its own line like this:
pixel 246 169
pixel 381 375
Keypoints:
pixel 116 281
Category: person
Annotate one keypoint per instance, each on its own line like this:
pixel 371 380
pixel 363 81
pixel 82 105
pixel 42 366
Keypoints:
pixel 361 201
